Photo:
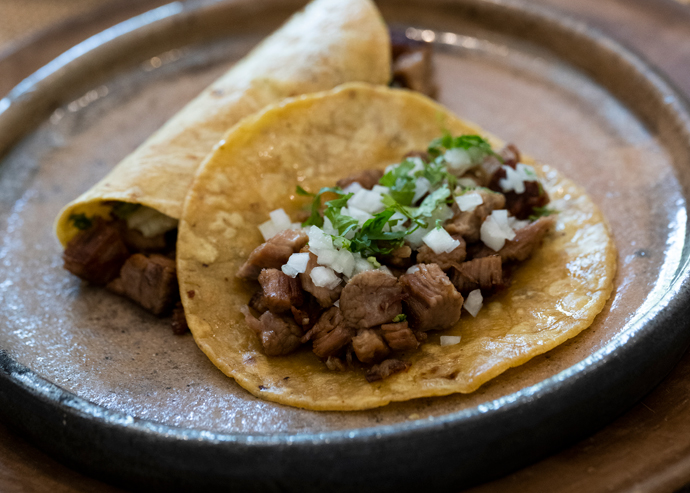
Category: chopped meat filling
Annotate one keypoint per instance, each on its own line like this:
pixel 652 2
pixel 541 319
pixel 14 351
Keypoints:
pixel 371 298
pixel 468 223
pixel 432 301
pixel 273 253
pixel 385 369
pixel 525 241
pixel 280 291
pixel 150 281
pixel 330 334
pixel 445 261
pixel 399 336
pixel 324 296
pixel 96 254
pixel 369 346
pixel 401 257
pixel 479 273
pixel 367 179
pixel 137 242
pixel 278 335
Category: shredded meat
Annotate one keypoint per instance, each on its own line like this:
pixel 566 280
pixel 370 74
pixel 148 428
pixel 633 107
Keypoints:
pixel 179 322
pixel 330 334
pixel 432 302
pixel 385 369
pixel 323 295
pixel 525 241
pixel 467 224
pixel 371 298
pixel 480 273
pixel 367 178
pixel 412 65
pixel 278 335
pixel 280 291
pixel 399 336
pixel 97 253
pixel 369 346
pixel 445 261
pixel 273 253
pixel 150 281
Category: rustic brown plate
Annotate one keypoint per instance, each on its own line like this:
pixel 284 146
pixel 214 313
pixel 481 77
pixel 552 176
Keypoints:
pixel 109 388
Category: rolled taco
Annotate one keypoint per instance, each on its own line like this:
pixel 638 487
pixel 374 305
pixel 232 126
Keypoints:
pixel 367 298
pixel 135 208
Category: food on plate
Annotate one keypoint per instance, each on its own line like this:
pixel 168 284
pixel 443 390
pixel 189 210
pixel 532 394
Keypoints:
pixel 121 233
pixel 427 269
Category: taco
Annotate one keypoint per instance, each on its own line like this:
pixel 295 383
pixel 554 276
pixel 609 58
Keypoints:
pixel 402 194
pixel 122 231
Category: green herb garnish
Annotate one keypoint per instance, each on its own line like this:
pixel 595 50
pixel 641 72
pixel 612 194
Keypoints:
pixel 400 318
pixel 401 183
pixel 366 240
pixel 476 146
pixel 315 218
pixel 80 221
pixel 538 212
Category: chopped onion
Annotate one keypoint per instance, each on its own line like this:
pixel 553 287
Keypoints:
pixel 515 178
pixel 361 264
pixel 296 264
pixel 150 222
pixel 328 227
pixel 366 200
pixel 459 160
pixel 413 269
pixel 467 182
pixel 353 187
pixel 400 225
pixel 381 189
pixel 495 230
pixel 450 340
pixel 324 277
pixel 473 303
pixel 422 187
pixel 442 212
pixel 385 269
pixel 279 222
pixel 469 201
pixel 321 245
pixel 418 164
pixel 440 241
pixel 337 303
pixel 358 214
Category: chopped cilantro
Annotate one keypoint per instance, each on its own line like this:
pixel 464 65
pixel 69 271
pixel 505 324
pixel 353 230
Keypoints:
pixel 80 221
pixel 432 201
pixel 122 210
pixel 315 218
pixel 401 182
pixel 400 318
pixel 372 260
pixel 366 240
pixel 477 146
pixel 538 212
pixel 342 223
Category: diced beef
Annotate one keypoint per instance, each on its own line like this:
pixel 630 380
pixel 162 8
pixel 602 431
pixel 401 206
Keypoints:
pixel 369 346
pixel 179 321
pixel 335 364
pixel 467 224
pixel 521 205
pixel 371 298
pixel 278 335
pixel 399 336
pixel 258 303
pixel 401 257
pixel 323 295
pixel 480 273
pixel 525 241
pixel 330 334
pixel 367 178
pixel 426 255
pixel 150 281
pixel 385 369
pixel 273 253
pixel 432 301
pixel 280 291
pixel 137 242
pixel 96 254
pixel 510 155
pixel 413 65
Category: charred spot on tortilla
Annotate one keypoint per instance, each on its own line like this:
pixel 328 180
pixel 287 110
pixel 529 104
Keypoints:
pixel 367 304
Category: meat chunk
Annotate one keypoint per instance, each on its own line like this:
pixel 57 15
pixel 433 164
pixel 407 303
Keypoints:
pixel 280 291
pixel 367 178
pixel 525 241
pixel 308 314
pixel 330 334
pixel 278 335
pixel 179 321
pixel 150 281
pixel 273 253
pixel 371 298
pixel 468 223
pixel 401 257
pixel 369 346
pixel 323 295
pixel 479 273
pixel 510 155
pixel 96 254
pixel 432 300
pixel 137 242
pixel 412 65
pixel 520 205
pixel 399 336
pixel 257 302
pixel 385 369
pixel 426 255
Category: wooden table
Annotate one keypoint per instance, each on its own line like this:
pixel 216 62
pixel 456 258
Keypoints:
pixel 645 450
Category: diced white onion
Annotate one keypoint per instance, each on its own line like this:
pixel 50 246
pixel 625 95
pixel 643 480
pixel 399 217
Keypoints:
pixel 337 303
pixel 450 340
pixel 296 264
pixel 328 227
pixel 418 164
pixel 469 201
pixel 381 189
pixel 515 178
pixel 495 230
pixel 353 187
pixel 361 264
pixel 321 245
pixel 366 200
pixel 279 222
pixel 385 269
pixel 516 224
pixel 440 241
pixel 280 218
pixel 358 214
pixel 150 222
pixel 459 160
pixel 324 277
pixel 474 301
pixel 413 269
pixel 467 182
pixel 422 187
pixel 400 224
pixel 443 212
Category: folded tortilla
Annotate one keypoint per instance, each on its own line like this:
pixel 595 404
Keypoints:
pixel 314 140
pixel 329 43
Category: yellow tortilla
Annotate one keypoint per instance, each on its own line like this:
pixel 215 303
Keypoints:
pixel 331 42
pixel 314 140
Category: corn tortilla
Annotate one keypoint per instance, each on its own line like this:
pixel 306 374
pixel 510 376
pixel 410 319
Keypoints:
pixel 314 140
pixel 331 42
